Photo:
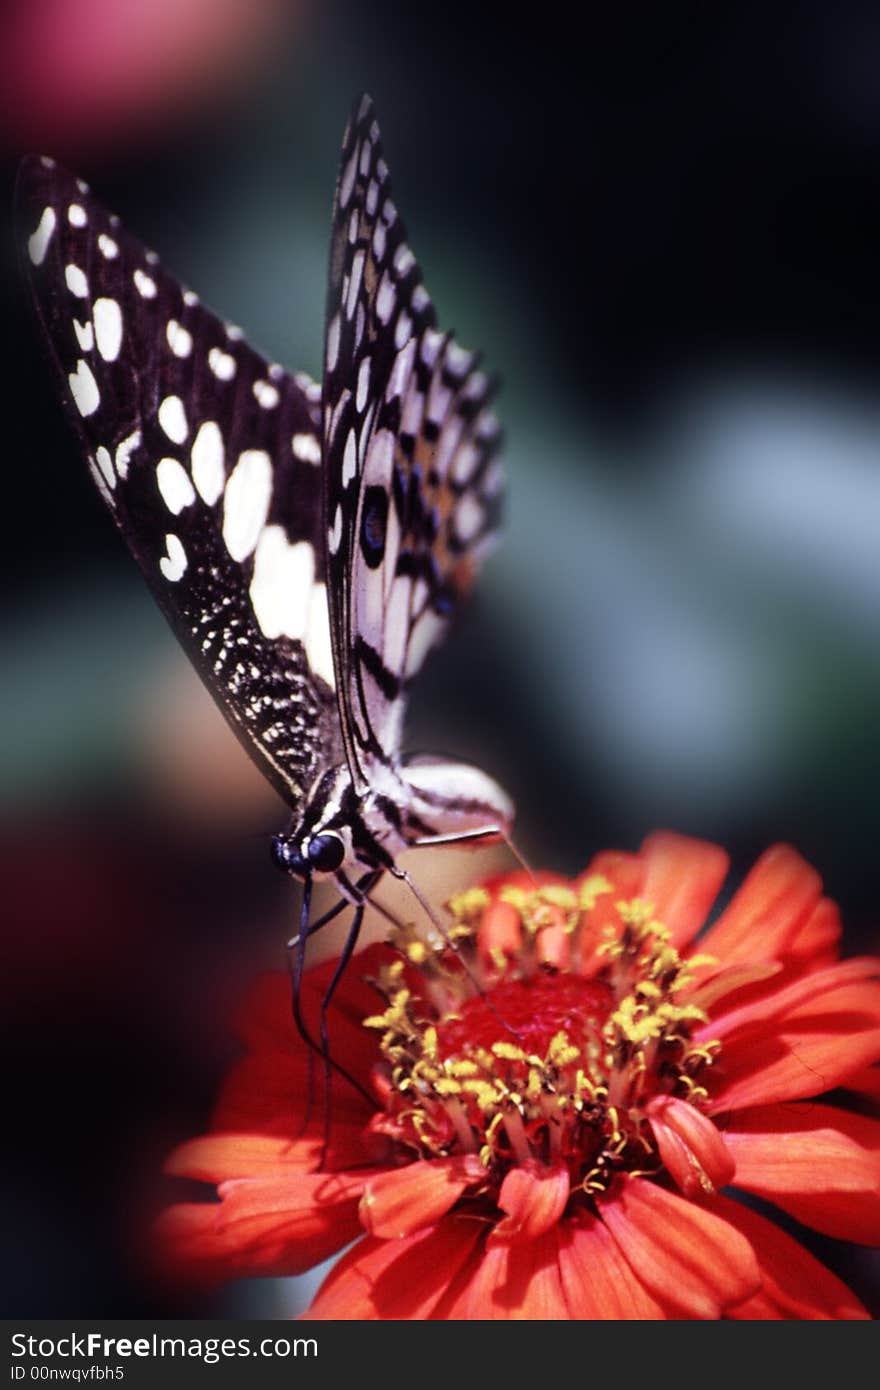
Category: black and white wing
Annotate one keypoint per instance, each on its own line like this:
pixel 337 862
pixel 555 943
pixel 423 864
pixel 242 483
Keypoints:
pixel 413 484
pixel 209 459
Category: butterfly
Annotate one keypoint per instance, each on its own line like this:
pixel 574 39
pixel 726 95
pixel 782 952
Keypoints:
pixel 308 544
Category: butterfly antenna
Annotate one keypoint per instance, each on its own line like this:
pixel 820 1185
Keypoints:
pixel 520 858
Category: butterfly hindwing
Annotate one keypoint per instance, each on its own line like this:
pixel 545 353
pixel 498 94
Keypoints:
pixel 413 486
pixel 209 459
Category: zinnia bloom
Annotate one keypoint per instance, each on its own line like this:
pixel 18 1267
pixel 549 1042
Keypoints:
pixel 551 1110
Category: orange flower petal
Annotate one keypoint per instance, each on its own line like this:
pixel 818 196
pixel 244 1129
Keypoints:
pixel 691 1146
pixel 215 1158
pixel 679 1251
pixel 403 1200
pixel 598 1282
pixel 817 943
pixel 817 1162
pixel 500 930
pixel 807 994
pixel 682 880
pixel 624 873
pixel 262 1227
pixel 291 1223
pixel 396 1279
pixel 534 1197
pixel 512 1282
pixel 715 995
pixel 769 909
pixel 794 1285
pixel 811 1049
pixel 190 1248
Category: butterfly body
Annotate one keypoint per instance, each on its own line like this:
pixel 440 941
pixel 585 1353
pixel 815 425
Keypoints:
pixel 309 545
pixel 425 801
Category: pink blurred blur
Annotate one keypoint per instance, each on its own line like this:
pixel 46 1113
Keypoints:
pixel 78 74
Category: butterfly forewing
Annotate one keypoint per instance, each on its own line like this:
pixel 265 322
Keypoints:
pixel 412 484
pixel 209 459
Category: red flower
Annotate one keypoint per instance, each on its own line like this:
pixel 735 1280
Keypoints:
pixel 558 1104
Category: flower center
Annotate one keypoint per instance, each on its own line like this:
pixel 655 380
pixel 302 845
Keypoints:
pixel 539 1037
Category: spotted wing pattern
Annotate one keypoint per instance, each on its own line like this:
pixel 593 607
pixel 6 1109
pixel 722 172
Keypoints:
pixel 413 484
pixel 210 461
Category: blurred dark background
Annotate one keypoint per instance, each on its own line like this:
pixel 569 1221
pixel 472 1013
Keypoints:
pixel 663 227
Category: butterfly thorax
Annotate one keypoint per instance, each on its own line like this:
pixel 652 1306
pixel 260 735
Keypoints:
pixel 343 832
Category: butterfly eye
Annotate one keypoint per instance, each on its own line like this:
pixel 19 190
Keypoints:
pixel 326 852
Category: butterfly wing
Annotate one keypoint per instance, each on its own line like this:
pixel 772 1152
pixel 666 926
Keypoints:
pixel 412 482
pixel 210 462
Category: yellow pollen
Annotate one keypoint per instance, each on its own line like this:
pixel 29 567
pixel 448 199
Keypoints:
pixel 517 897
pixel 446 1086
pixel 470 905
pixel 591 889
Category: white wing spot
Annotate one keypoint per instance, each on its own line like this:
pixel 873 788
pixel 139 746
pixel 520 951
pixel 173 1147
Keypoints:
pixel 386 298
pixel 319 647
pixel 107 247
pixel 102 487
pixel 276 371
pixel 349 459
pixel 105 463
pixel 404 259
pixel 173 565
pixel 208 458
pixel 379 237
pixel 333 343
pixel 84 389
pixel 76 215
pixel 124 451
pixel 233 332
pixel 402 329
pixel 174 484
pixel 39 242
pixel 144 284
pixel 468 517
pixel 107 318
pixel 347 182
pixel 464 463
pixel 266 394
pixel 335 536
pixel 76 281
pixel 246 502
pixel 179 338
pixel 172 418
pixel 282 582
pixel 363 386
pixel 354 289
pixel 190 298
pixel 306 448
pixel 84 335
pixel 221 364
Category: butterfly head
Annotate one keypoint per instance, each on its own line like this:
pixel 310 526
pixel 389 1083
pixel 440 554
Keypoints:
pixel 319 854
